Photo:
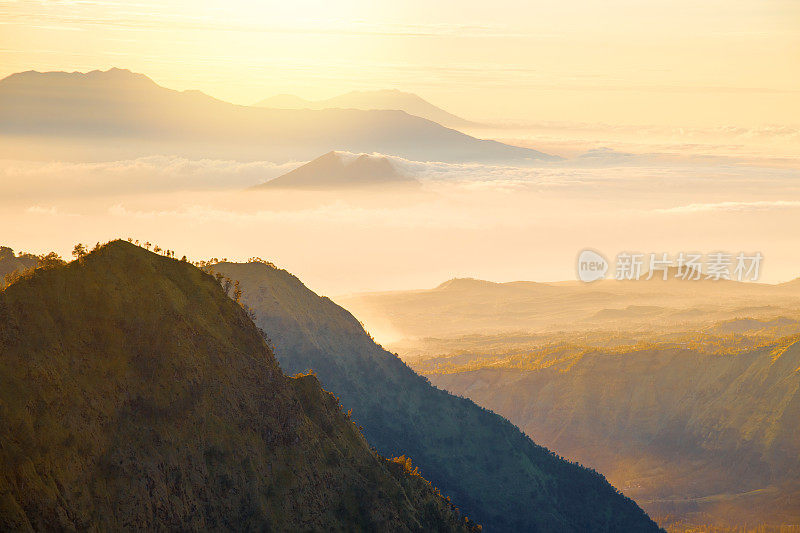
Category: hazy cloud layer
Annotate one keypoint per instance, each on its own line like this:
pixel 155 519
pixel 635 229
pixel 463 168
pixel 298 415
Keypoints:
pixel 145 174
pixel 487 221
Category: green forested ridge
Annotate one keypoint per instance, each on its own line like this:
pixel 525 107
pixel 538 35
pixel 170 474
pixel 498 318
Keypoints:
pixel 489 468
pixel 135 395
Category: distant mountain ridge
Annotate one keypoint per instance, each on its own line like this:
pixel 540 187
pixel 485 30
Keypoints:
pixel 463 306
pixel 120 114
pixel 490 470
pixel 366 100
pixel 336 170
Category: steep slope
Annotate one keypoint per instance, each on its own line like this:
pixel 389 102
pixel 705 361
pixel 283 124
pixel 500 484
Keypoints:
pixel 381 99
pixel 487 466
pixel 696 438
pixel 134 394
pixel 83 115
pixel 337 170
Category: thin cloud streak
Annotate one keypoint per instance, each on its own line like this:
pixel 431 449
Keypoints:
pixel 731 206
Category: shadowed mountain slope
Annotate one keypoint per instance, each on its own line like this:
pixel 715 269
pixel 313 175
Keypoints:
pixel 135 395
pixel 487 466
pixel 88 115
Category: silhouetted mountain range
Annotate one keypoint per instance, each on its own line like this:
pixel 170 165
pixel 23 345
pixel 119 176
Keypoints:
pixel 381 99
pixel 117 113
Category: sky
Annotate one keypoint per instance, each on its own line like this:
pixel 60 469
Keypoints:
pixel 717 63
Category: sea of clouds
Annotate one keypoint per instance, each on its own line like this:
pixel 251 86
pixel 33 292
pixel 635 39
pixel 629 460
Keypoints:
pixel 496 222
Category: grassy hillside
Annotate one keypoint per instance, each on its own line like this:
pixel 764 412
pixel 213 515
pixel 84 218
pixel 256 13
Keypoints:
pixel 135 395
pixel 486 465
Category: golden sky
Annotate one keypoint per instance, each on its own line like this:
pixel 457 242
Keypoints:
pixel 677 62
